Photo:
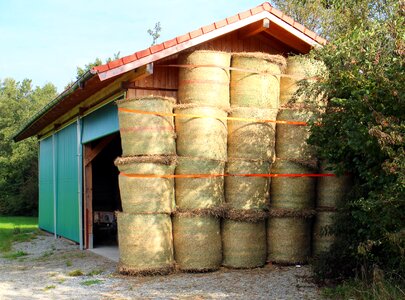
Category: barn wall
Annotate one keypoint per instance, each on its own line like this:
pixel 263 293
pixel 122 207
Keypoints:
pixel 46 201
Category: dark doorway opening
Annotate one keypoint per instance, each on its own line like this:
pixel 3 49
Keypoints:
pixel 102 191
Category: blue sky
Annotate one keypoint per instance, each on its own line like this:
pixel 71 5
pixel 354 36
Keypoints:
pixel 45 40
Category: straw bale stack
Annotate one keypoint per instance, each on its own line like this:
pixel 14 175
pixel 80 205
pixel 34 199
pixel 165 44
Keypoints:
pixel 145 244
pixel 197 242
pixel 204 78
pixel 146 134
pixel 203 133
pixel 244 244
pixel 257 82
pixel 146 195
pixel 252 138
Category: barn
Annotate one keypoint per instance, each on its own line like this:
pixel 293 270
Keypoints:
pixel 78 132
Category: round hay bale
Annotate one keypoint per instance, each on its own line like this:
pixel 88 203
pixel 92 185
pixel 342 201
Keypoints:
pixel 204 137
pixel 261 89
pixel 247 193
pixel 145 244
pixel 143 134
pixel 322 238
pixel 196 193
pixel 146 195
pixel 202 84
pixel 252 139
pixel 291 140
pixel 292 192
pixel 332 190
pixel 197 242
pixel 244 244
pixel 288 240
pixel 298 68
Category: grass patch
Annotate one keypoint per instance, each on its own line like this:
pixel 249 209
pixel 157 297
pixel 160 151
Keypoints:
pixel 69 263
pixel 15 255
pixel 75 273
pixel 49 287
pixel 360 290
pixel 95 272
pixel 91 282
pixel 16 229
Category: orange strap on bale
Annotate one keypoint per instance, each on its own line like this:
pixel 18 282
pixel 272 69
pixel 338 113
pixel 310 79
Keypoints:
pixel 221 175
pixel 136 111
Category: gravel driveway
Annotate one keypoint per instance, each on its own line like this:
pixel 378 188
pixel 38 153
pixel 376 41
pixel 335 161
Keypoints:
pixel 44 274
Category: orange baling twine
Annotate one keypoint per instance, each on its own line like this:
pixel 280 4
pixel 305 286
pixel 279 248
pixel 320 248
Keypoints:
pixel 221 175
pixel 299 123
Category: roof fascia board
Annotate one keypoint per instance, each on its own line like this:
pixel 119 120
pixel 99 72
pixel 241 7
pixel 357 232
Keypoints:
pixel 203 38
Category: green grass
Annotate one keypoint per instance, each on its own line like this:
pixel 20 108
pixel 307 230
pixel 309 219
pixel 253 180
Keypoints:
pixel 91 282
pixel 16 229
pixel 75 273
pixel 15 255
pixel 49 287
pixel 94 272
pixel 359 290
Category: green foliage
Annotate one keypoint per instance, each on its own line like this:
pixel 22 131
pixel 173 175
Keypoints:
pixel 155 33
pixel 362 131
pixel 18 161
pixel 15 255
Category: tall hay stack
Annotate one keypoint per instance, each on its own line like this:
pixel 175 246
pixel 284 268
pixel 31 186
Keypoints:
pixel 202 148
pixel 331 191
pixel 146 134
pixel 147 193
pixel 292 199
pixel 254 98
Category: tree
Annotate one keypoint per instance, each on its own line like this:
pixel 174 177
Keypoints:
pixel 155 33
pixel 362 129
pixel 18 161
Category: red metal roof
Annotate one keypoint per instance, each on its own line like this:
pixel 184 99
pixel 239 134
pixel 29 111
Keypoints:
pixel 203 34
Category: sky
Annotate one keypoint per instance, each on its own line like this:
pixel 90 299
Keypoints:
pixel 45 40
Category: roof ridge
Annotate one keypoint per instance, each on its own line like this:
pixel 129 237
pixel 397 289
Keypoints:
pixel 266 6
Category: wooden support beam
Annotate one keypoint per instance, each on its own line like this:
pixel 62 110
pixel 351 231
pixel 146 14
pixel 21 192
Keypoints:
pixel 91 153
pixel 287 38
pixel 132 85
pixel 88 202
pixel 254 28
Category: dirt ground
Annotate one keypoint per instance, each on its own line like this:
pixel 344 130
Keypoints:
pixel 46 273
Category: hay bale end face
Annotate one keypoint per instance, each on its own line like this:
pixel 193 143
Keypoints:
pixel 143 134
pixel 197 242
pixel 205 136
pixel 197 193
pixel 288 240
pixel 145 244
pixel 146 195
pixel 206 79
pixel 244 244
pixel 252 139
pixel 246 193
pixel 292 192
pixel 257 83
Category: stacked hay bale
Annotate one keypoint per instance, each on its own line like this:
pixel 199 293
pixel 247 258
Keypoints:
pixel 292 199
pixel 147 191
pixel 330 193
pixel 255 84
pixel 201 145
